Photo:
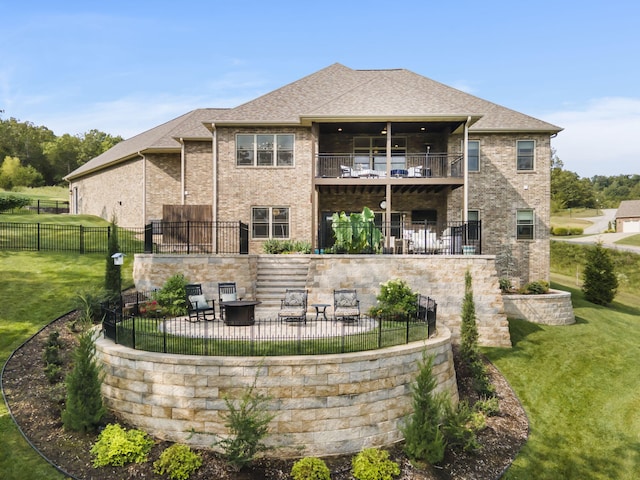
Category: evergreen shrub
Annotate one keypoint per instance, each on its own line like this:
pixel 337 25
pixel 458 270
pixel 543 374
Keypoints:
pixel 310 468
pixel 374 464
pixel 117 446
pixel 178 462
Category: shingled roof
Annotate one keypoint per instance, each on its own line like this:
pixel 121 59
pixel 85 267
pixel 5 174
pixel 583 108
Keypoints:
pixel 335 92
pixel 628 209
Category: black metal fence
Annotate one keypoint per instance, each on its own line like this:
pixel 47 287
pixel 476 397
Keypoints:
pixel 176 335
pixel 158 237
pixel 44 206
pixel 435 238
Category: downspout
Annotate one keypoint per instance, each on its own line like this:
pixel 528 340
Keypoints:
pixel 465 165
pixel 183 168
pixel 144 188
pixel 214 173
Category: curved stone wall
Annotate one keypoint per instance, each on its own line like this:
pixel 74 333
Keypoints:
pixel 553 308
pixel 324 404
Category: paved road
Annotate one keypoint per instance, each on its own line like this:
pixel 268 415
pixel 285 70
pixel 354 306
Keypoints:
pixel 601 224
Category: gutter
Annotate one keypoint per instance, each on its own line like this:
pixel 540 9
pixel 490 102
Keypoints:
pixel 465 166
pixel 144 188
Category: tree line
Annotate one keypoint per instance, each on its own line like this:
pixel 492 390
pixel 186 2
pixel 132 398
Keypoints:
pixel 568 190
pixel 34 156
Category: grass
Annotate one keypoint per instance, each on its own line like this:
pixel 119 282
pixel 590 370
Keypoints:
pixel 633 240
pixel 36 289
pixel 40 193
pixel 579 386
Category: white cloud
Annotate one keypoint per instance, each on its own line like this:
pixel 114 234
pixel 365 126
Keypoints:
pixel 599 139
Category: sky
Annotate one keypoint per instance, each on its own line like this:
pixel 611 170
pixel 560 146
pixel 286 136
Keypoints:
pixel 123 67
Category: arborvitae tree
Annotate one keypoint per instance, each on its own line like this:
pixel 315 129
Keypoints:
pixel 113 280
pixel 600 281
pixel 84 407
pixel 468 328
pixel 424 441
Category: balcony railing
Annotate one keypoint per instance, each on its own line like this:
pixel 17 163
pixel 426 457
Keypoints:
pixel 412 165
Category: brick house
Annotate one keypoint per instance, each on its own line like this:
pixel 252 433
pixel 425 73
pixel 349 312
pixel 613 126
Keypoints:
pixel 341 140
pixel 628 216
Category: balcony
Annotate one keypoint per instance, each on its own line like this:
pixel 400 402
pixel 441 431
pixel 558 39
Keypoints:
pixel 409 166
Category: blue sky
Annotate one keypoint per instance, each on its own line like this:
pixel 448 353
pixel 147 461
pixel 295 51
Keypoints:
pixel 123 67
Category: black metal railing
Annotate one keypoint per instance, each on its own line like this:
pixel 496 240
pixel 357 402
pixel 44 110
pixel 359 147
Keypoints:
pixel 176 335
pixel 412 165
pixel 435 238
pixel 158 237
pixel 43 206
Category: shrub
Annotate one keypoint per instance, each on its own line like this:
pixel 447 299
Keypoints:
pixel 276 246
pixel 172 295
pixel 248 421
pixel 600 282
pixel 537 287
pixel 11 202
pixel 117 446
pixel 112 276
pixel 89 302
pixel 505 285
pixel 560 231
pixel 468 328
pixel 424 441
pixel 84 407
pixel 459 427
pixel 374 464
pixel 178 461
pixel 310 468
pixel 576 231
pixel 489 406
pixel 396 299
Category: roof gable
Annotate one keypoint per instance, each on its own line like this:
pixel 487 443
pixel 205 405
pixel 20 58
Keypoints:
pixel 628 208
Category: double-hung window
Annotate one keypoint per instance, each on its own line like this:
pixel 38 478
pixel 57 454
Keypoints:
pixel 525 154
pixel 525 224
pixel 473 156
pixel 265 150
pixel 269 222
pixel 473 229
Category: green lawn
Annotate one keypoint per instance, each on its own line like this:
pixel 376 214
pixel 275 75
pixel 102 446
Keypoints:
pixel 579 384
pixel 633 240
pixel 37 288
pixel 580 387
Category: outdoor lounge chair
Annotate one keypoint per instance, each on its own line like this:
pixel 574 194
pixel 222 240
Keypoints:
pixel 198 307
pixel 293 306
pixel 346 305
pixel 227 292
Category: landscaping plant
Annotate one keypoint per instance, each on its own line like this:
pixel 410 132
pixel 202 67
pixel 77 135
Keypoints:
pixel 356 233
pixel 178 462
pixel 248 421
pixel 84 408
pixel 172 295
pixel 112 278
pixel 600 282
pixel 423 439
pixel 374 464
pixel 117 446
pixel 310 468
pixel 396 300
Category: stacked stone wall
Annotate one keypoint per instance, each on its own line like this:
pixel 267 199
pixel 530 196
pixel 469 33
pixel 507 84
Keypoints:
pixel 553 308
pixel 440 277
pixel 324 404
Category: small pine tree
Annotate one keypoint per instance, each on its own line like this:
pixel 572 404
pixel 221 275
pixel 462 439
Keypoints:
pixel 424 441
pixel 600 282
pixel 112 278
pixel 468 328
pixel 84 407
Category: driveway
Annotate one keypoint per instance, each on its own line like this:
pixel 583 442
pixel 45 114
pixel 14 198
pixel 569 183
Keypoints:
pixel 595 232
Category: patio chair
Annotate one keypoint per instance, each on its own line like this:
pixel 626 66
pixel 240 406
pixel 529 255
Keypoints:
pixel 227 292
pixel 348 172
pixel 198 307
pixel 346 305
pixel 293 306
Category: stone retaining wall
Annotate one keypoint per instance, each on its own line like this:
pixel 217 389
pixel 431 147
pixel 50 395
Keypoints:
pixel 440 277
pixel 553 308
pixel 324 404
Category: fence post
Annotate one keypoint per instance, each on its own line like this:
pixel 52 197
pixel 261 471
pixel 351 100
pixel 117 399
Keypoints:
pixel 148 238
pixel 81 233
pixel 38 236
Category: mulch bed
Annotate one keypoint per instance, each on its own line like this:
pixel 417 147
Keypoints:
pixel 36 405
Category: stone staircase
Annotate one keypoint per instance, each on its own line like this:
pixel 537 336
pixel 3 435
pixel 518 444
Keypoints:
pixel 274 275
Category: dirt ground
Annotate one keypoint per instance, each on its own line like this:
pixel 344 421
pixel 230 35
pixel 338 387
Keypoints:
pixel 36 407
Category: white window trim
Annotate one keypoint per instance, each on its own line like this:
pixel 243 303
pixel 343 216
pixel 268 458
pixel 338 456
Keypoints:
pixel 271 222
pixel 533 224
pixel 275 150
pixel 469 170
pixel 533 166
